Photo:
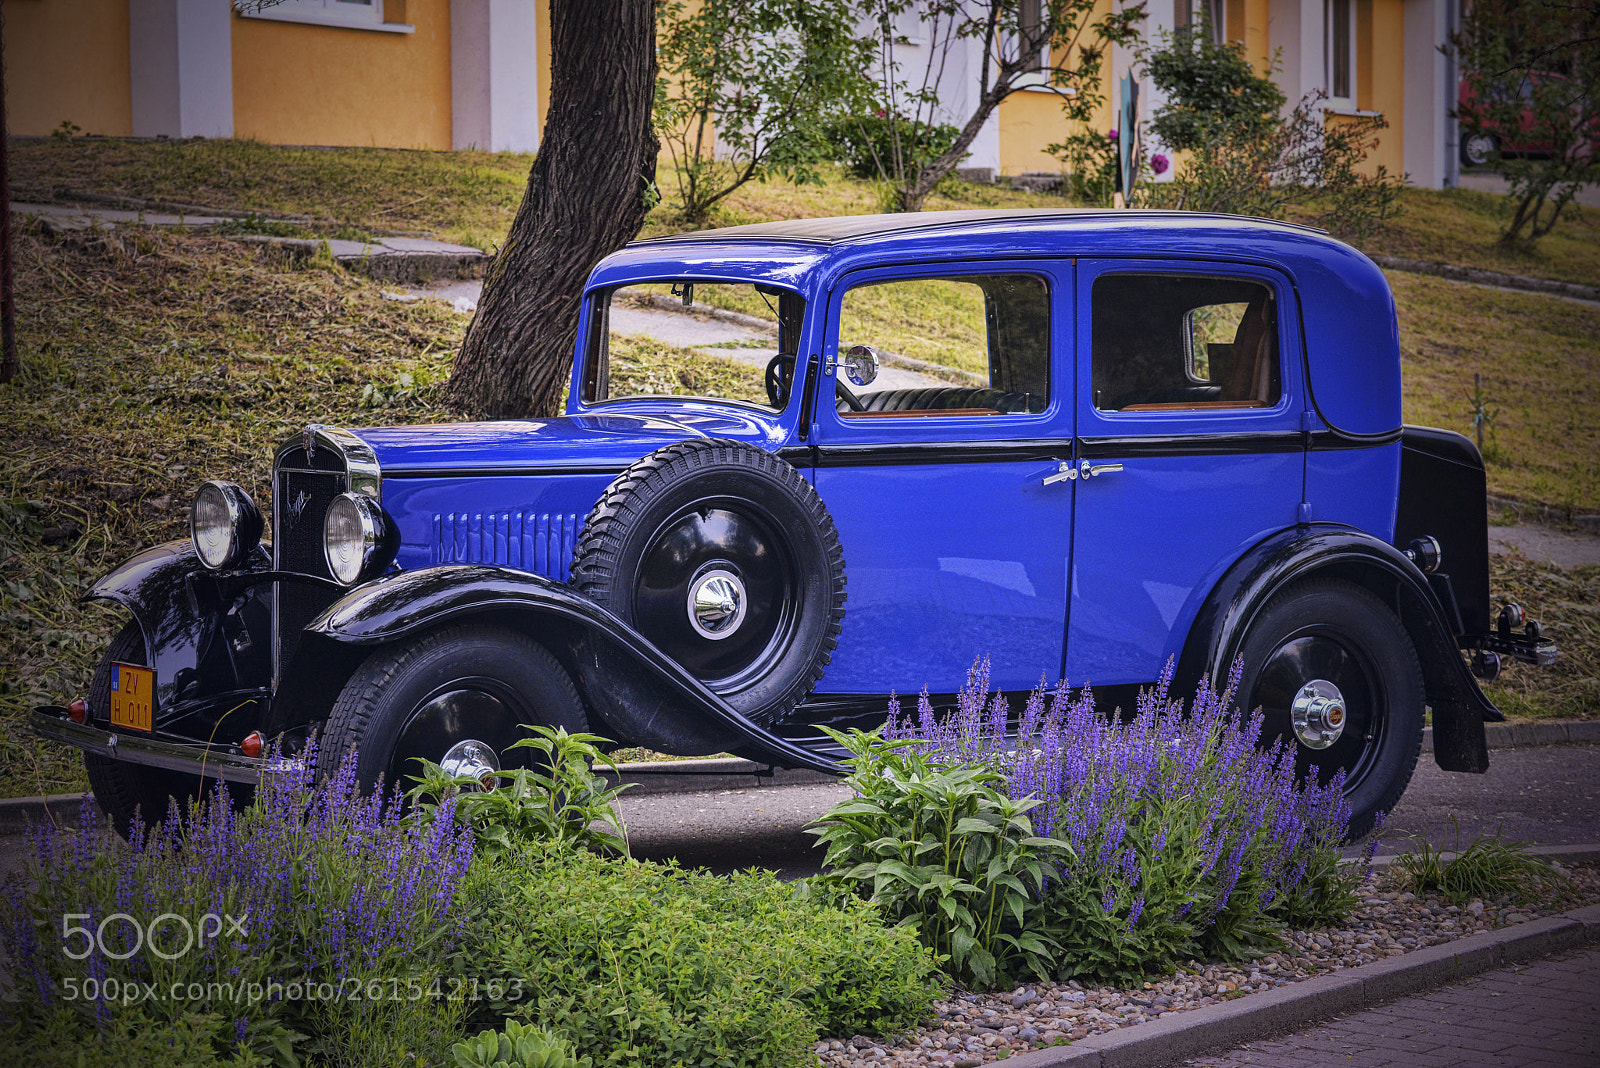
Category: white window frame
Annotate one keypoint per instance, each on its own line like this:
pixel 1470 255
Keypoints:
pixel 340 13
pixel 1335 102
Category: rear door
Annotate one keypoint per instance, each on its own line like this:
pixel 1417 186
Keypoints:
pixel 1189 416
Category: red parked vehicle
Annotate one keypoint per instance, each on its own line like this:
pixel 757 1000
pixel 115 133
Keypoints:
pixel 1483 134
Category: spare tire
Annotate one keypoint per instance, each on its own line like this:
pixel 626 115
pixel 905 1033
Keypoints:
pixel 725 558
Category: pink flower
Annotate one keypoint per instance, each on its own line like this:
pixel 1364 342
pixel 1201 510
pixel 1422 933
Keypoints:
pixel 1111 135
pixel 1159 163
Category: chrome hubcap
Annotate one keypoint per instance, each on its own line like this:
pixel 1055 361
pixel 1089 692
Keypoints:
pixel 1318 713
pixel 716 604
pixel 475 760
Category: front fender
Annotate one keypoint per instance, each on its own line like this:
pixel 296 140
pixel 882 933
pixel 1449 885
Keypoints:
pixel 1459 706
pixel 206 634
pixel 658 703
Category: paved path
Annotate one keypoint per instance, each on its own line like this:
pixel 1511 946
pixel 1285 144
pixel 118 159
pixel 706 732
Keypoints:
pixel 1540 1015
pixel 1486 181
pixel 1565 549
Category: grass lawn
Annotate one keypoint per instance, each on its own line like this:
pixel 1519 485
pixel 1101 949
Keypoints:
pixel 154 359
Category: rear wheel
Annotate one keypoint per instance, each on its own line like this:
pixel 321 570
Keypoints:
pixel 130 793
pixel 1479 148
pixel 1334 673
pixel 458 696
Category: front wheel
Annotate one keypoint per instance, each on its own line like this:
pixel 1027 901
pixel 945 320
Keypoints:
pixel 130 794
pixel 458 696
pixel 1479 148
pixel 1334 673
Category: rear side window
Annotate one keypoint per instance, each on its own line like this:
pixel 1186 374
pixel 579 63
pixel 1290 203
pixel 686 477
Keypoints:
pixel 974 345
pixel 1164 342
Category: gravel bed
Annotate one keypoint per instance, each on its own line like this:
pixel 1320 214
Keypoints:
pixel 972 1029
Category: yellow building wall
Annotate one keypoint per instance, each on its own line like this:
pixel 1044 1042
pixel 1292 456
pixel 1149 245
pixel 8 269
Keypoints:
pixel 296 84
pixel 1380 76
pixel 1030 120
pixel 67 60
pixel 542 73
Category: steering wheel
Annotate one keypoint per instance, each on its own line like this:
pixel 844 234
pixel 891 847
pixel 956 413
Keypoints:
pixel 780 378
pixel 851 401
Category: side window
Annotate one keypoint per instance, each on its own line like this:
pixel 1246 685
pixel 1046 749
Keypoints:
pixel 1164 342
pixel 976 345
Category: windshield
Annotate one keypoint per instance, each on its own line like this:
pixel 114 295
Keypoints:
pixel 714 340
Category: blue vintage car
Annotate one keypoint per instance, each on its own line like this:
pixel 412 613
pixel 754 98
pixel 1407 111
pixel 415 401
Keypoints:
pixel 1083 444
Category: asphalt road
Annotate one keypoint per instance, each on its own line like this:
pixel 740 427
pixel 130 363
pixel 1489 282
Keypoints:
pixel 1548 795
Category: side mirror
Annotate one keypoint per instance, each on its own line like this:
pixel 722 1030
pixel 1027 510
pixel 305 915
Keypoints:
pixel 861 364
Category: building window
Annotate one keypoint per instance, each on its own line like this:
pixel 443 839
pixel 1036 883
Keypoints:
pixel 355 14
pixel 1031 21
pixel 1339 18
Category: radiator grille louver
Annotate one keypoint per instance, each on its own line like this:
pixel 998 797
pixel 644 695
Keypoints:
pixel 541 542
pixel 299 504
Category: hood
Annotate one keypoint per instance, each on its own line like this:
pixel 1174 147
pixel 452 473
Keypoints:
pixel 590 442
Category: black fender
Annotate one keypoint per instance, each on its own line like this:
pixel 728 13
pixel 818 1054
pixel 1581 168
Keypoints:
pixel 1460 708
pixel 656 704
pixel 207 634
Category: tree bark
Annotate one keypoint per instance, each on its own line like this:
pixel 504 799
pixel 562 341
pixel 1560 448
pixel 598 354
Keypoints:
pixel 586 198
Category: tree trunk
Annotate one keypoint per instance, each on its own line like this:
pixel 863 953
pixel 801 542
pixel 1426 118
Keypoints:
pixel 586 197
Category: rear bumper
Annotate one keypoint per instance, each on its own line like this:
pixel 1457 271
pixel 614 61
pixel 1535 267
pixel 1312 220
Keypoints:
pixel 215 762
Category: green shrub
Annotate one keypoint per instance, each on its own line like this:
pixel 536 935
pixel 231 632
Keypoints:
pixel 870 146
pixel 127 1038
pixel 518 1046
pixel 942 847
pixel 562 800
pixel 641 963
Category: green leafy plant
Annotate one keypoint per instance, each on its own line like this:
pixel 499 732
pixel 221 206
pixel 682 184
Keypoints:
pixel 641 963
pixel 560 800
pixel 1532 69
pixel 519 1045
pixel 747 88
pixel 1213 91
pixel 1487 867
pixel 945 848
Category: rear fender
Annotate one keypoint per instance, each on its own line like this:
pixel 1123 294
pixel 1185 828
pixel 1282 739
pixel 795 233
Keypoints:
pixel 207 634
pixel 1459 706
pixel 656 704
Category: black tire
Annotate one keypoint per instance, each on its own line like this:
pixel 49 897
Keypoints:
pixel 129 793
pixel 1335 631
pixel 684 518
pixel 462 681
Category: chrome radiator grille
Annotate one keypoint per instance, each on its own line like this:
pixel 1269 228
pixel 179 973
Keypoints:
pixel 302 489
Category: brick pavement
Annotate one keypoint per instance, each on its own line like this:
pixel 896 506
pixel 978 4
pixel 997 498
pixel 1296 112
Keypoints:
pixel 1544 1014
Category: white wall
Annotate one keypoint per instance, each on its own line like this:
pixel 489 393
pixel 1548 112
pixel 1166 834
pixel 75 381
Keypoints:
pixel 494 62
pixel 181 68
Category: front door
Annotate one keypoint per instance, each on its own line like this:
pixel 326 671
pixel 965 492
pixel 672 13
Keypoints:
pixel 956 546
pixel 1189 426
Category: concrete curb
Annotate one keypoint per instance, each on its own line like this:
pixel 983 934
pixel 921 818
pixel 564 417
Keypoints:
pixel 1514 735
pixel 1457 273
pixel 1544 513
pixel 1189 1034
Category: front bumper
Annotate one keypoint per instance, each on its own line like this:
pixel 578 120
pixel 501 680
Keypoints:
pixel 214 761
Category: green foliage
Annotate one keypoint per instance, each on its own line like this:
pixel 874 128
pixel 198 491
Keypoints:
pixel 1212 90
pixel 1057 43
pixel 945 849
pixel 126 1037
pixel 560 800
pixel 747 88
pixel 644 964
pixel 1306 163
pixel 519 1045
pixel 870 146
pixel 1487 867
pixel 1532 69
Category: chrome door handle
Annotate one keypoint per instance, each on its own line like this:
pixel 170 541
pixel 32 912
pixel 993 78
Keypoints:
pixel 1065 472
pixel 1088 470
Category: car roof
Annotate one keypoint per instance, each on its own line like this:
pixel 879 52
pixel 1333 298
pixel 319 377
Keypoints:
pixel 846 228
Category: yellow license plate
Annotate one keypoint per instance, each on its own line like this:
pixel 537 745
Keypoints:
pixel 132 696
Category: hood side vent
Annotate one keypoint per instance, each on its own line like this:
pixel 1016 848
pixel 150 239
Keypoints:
pixel 541 542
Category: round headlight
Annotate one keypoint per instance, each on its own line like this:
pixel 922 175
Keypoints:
pixel 356 538
pixel 224 524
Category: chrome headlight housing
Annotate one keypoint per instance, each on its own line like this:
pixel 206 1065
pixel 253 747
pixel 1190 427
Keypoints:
pixel 224 524
pixel 358 538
